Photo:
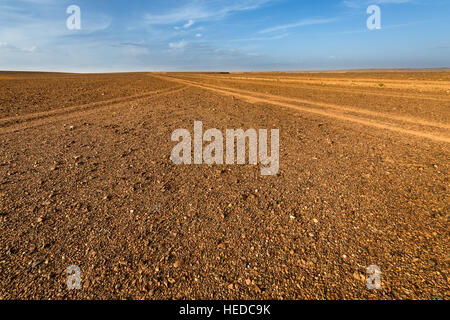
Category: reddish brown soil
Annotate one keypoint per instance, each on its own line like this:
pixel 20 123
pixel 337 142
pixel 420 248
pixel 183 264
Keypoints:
pixel 25 93
pixel 86 179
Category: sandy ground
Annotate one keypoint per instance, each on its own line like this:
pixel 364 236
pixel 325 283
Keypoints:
pixel 86 179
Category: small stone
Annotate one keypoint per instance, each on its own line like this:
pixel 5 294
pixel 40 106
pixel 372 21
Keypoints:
pixel 248 282
pixel 32 248
pixel 358 276
pixel 315 221
pixel 36 263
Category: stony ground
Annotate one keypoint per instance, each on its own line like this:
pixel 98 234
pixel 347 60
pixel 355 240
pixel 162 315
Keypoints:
pixel 86 179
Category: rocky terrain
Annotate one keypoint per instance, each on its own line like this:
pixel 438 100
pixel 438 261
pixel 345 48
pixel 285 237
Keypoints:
pixel 86 179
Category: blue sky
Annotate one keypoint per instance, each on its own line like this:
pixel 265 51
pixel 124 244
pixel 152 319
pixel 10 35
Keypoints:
pixel 229 35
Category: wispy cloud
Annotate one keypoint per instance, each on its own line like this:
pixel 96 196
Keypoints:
pixel 203 10
pixel 7 46
pixel 363 3
pixel 277 37
pixel 189 24
pixel 130 44
pixel 178 45
pixel 302 23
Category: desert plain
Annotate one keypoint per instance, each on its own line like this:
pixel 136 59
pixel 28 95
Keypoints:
pixel 86 179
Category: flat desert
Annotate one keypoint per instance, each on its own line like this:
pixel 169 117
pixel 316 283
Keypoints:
pixel 87 180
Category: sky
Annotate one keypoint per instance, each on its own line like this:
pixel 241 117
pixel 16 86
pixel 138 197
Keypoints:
pixel 222 35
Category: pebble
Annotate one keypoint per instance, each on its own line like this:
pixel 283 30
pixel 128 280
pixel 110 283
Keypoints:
pixel 359 276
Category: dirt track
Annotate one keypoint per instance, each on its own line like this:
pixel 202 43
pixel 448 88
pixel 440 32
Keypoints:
pixel 86 179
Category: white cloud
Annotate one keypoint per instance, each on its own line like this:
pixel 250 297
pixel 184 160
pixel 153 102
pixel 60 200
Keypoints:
pixel 178 45
pixel 302 23
pixel 363 3
pixel 203 10
pixel 277 37
pixel 10 47
pixel 189 24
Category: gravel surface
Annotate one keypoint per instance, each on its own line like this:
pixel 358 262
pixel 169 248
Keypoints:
pixel 86 179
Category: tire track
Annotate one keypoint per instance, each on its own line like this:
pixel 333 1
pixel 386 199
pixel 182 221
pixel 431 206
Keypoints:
pixel 45 118
pixel 289 84
pixel 411 120
pixel 273 100
pixel 398 84
pixel 5 122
